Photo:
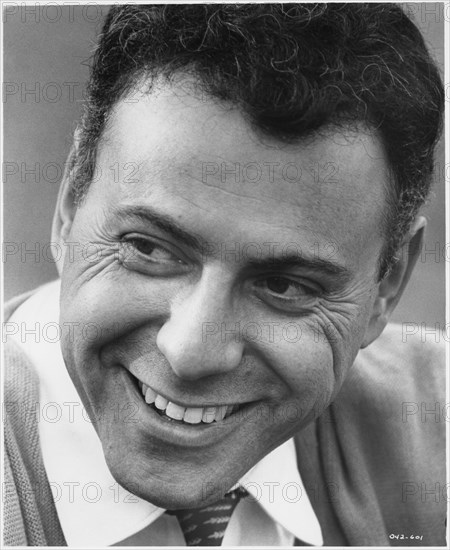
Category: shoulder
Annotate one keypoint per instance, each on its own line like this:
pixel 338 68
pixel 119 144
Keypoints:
pixel 387 427
pixel 393 401
pixel 30 514
pixel 407 361
pixel 21 382
pixel 12 304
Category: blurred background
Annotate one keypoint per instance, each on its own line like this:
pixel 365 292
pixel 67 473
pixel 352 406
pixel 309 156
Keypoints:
pixel 46 53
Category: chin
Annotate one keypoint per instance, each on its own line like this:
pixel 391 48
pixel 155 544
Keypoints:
pixel 172 497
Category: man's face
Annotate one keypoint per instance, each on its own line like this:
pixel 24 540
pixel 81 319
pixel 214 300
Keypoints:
pixel 221 270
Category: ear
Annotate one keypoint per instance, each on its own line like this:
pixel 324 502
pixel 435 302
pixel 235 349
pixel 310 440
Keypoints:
pixel 392 286
pixel 64 213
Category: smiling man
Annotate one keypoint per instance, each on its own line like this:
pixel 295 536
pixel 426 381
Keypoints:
pixel 239 219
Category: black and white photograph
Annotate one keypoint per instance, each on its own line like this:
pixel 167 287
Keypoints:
pixel 224 253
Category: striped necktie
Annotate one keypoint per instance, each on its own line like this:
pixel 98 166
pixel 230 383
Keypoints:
pixel 206 526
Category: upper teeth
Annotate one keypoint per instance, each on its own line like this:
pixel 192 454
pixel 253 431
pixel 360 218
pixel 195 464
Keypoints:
pixel 191 415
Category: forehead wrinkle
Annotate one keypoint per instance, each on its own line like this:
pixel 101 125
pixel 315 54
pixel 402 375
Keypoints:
pixel 318 197
pixel 171 172
pixel 164 173
pixel 319 209
pixel 182 162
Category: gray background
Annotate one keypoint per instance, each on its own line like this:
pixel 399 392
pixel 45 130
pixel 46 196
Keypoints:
pixel 46 50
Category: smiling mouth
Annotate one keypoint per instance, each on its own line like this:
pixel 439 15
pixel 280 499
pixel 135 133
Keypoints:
pixel 189 415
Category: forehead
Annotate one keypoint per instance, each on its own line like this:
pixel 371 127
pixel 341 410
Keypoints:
pixel 202 162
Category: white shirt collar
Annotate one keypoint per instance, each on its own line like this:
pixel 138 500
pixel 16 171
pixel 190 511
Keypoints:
pixel 92 508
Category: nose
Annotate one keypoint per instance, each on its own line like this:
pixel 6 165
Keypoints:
pixel 193 340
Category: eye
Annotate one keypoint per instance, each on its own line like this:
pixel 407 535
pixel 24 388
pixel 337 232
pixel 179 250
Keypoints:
pixel 279 285
pixel 148 256
pixel 286 292
pixel 149 248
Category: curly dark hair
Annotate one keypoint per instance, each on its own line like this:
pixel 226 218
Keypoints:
pixel 291 69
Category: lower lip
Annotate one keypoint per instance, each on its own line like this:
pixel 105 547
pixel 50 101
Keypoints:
pixel 182 434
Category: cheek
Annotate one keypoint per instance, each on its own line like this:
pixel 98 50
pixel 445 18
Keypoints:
pixel 312 368
pixel 304 362
pixel 105 306
pixel 98 312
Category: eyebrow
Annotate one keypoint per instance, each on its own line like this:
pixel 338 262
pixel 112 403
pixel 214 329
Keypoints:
pixel 168 225
pixel 322 265
pixel 163 222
